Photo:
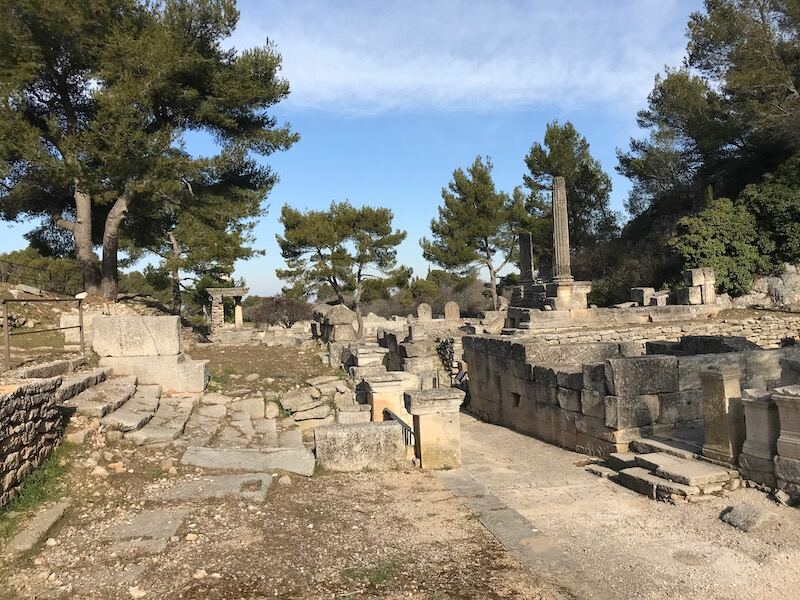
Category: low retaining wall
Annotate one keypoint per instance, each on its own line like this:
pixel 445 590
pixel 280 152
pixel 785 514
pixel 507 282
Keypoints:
pixel 31 427
pixel 591 397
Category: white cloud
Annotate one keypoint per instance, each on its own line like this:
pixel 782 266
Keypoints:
pixel 373 56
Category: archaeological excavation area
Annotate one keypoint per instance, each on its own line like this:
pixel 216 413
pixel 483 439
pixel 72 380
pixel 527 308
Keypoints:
pixel 549 449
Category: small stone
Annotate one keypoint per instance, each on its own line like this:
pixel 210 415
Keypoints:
pixel 285 480
pixel 216 575
pixel 747 517
pixel 135 592
pixel 117 467
pixel 781 497
pixel 253 377
pixel 77 437
pixel 108 456
pixel 191 537
pixel 113 437
pixel 200 574
pixel 51 542
pixel 99 472
pixel 167 464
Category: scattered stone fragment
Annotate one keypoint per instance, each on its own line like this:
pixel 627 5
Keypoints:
pixel 285 480
pixel 99 472
pixel 747 517
pixel 253 377
pixel 135 592
pixel 252 487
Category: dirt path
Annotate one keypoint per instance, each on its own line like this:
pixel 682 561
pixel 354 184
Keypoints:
pixel 603 541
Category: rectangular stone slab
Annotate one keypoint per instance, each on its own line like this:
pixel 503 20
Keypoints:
pixel 136 336
pixel 644 482
pixel 37 528
pixel 151 524
pixel 252 487
pixel 294 460
pixel 693 472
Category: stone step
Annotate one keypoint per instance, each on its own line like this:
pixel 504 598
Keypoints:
pixel 621 460
pixel 103 398
pixel 136 412
pixel 677 448
pixel 203 424
pixel 644 482
pixel 74 384
pixel 694 473
pixel 294 460
pixel 50 369
pixel 167 423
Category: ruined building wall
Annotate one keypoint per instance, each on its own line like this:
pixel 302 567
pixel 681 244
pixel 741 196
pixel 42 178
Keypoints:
pixel 589 397
pixel 31 426
pixel 768 331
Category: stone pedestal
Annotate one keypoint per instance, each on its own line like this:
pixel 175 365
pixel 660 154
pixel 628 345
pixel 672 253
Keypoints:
pixel 568 294
pixel 787 399
pixel 761 442
pixel 386 391
pixel 437 433
pixel 723 415
pixel 238 318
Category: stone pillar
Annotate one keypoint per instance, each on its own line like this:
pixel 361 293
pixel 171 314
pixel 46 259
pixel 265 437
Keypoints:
pixel 424 312
pixel 525 258
pixel 437 427
pixel 386 391
pixel 452 312
pixel 562 271
pixel 723 415
pixel 761 442
pixel 787 399
pixel 238 317
pixel 217 314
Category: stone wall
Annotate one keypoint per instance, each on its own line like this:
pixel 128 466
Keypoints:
pixel 591 397
pixel 767 331
pixel 31 426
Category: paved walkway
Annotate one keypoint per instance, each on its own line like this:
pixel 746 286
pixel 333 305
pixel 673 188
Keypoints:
pixel 599 540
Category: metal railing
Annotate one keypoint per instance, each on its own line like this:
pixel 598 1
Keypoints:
pixel 11 272
pixel 8 334
pixel 408 431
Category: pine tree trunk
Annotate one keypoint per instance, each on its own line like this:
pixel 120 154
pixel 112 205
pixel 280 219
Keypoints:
pixel 493 285
pixel 84 248
pixel 177 301
pixel 110 272
pixel 357 306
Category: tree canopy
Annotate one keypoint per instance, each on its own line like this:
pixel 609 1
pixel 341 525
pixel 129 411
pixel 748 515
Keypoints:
pixel 340 249
pixel 477 225
pixel 96 99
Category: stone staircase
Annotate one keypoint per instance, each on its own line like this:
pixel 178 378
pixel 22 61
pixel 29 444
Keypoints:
pixel 667 469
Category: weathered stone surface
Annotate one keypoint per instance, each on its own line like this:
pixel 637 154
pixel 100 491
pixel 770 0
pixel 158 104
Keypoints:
pixel 167 423
pixel 36 528
pixel 594 377
pixel 74 384
pixel 301 399
pixel 690 367
pixel 761 423
pixel 642 295
pixel 135 412
pixel 294 460
pixel 251 487
pixel 152 524
pixel 787 469
pixel 356 447
pixel 318 412
pixel 424 312
pixel 621 460
pixel 136 336
pixel 787 398
pixel 679 407
pixel 723 415
pixel 747 517
pixel 623 412
pixel 655 460
pixel 50 369
pixel 593 404
pixel 644 482
pixel 101 399
pixel 693 472
pixel 569 399
pixel 252 406
pixel 357 413
pixel 452 311
pixel 641 375
pixel 439 400
pixel 570 376
pixel 176 373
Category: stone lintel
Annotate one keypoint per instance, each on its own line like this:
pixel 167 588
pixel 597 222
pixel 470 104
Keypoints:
pixel 217 293
pixel 435 401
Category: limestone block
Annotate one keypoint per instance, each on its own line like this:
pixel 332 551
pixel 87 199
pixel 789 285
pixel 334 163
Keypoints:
pixel 659 299
pixel 136 336
pixel 689 295
pixel 358 413
pixel 787 469
pixel 787 398
pixel 594 377
pixel 642 295
pixel 301 399
pixel 452 312
pixel 360 446
pixel 694 277
pixel 624 412
pixel 690 367
pixel 545 375
pixel 437 433
pixel 723 415
pixel 680 407
pixel 593 403
pixel 641 375
pixel 763 368
pixel 593 446
pixel 762 425
pixel 790 370
pixel 424 312
pixel 176 373
pixel 570 376
pixel 569 399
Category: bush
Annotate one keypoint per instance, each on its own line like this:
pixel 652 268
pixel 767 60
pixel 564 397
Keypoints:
pixel 280 310
pixel 724 236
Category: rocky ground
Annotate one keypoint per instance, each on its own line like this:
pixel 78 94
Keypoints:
pixel 137 527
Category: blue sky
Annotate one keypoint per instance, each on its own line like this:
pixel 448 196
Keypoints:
pixel 390 97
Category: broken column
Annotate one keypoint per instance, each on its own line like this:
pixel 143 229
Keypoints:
pixel 761 441
pixel 525 258
pixel 723 416
pixel 238 317
pixel 562 270
pixel 437 433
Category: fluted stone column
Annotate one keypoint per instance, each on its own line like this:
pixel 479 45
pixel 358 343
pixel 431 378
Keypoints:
pixel 562 270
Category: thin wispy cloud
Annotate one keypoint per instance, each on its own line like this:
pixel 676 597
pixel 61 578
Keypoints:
pixel 367 56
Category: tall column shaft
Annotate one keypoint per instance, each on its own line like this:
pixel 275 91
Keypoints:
pixel 525 257
pixel 561 261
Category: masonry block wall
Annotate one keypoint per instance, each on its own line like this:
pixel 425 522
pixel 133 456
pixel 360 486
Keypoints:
pixel 590 397
pixel 31 426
